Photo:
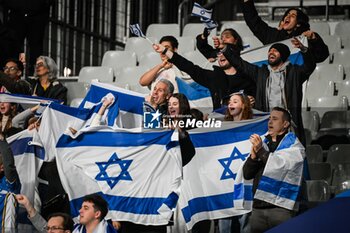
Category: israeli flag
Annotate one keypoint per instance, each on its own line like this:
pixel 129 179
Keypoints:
pixel 200 11
pixel 137 173
pixel 28 160
pixel 258 56
pixel 136 30
pixel 209 23
pixel 210 186
pixel 198 96
pixel 129 107
pixel 278 185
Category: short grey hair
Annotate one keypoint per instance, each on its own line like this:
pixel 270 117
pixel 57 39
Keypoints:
pixel 51 65
pixel 170 86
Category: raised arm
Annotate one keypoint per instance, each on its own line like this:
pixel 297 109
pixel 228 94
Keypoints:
pixel 203 46
pixel 148 77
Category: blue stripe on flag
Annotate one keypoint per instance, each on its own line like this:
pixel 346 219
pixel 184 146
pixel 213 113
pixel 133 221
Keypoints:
pixel 126 102
pixel 279 188
pixel 135 205
pixel 193 90
pixel 21 146
pixel 211 203
pixel 229 136
pixel 115 139
pixel 287 141
pixel 246 194
pixel 82 114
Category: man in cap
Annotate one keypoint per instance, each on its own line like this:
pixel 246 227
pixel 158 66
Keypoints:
pixel 279 83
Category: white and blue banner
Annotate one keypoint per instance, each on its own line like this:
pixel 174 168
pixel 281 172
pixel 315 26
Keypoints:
pixel 259 55
pixel 200 11
pixel 126 113
pixel 198 96
pixel 281 179
pixel 137 173
pixel 209 190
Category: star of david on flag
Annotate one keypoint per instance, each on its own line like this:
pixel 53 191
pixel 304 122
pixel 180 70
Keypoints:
pixel 136 30
pixel 200 11
pixel 226 163
pixel 113 180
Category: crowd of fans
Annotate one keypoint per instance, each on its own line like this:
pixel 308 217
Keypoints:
pixel 235 84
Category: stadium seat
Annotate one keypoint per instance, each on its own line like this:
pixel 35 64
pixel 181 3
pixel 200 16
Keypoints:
pixel 251 42
pixel 335 119
pixel 130 76
pixel 333 42
pixel 240 26
pixel 343 88
pixel 101 73
pixel 320 171
pixel 316 88
pixel 194 29
pixel 76 90
pixel 311 121
pixel 338 153
pixel 186 44
pixel 75 103
pixel 198 59
pixel 341 177
pixel 160 30
pixel 328 72
pixel 317 190
pixel 118 59
pixel 342 28
pixel 321 27
pixel 329 103
pixel 139 45
pixel 342 57
pixel 149 59
pixel 345 41
pixel 314 154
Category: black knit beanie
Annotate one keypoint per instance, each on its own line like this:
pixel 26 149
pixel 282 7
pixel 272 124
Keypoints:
pixel 282 49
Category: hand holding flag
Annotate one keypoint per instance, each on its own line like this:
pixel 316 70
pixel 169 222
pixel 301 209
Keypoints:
pixel 136 30
pixel 205 16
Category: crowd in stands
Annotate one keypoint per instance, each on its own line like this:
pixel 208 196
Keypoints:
pixel 235 84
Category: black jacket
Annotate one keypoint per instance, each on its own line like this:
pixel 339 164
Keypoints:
pixel 205 48
pixel 295 77
pixel 268 35
pixel 15 86
pixel 55 91
pixel 219 84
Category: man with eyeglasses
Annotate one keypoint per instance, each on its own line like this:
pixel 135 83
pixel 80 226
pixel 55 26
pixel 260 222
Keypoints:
pixel 10 79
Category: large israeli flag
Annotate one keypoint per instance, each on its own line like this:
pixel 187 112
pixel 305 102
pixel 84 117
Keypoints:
pixel 258 56
pixel 208 190
pixel 137 173
pixel 198 96
pixel 281 179
pixel 130 104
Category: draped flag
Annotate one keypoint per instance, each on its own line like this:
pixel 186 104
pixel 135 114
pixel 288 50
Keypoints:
pixel 28 160
pixel 24 100
pixel 281 179
pixel 200 11
pixel 258 56
pixel 208 190
pixel 137 173
pixel 198 96
pixel 130 104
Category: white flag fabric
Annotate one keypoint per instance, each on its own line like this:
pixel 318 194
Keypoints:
pixel 129 107
pixel 137 173
pixel 281 179
pixel 208 190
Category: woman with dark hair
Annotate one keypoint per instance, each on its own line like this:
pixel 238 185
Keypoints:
pixel 7 112
pixel 239 108
pixel 228 36
pixel 45 82
pixel 178 107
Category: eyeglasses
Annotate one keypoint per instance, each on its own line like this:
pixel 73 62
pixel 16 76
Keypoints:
pixel 11 68
pixel 40 64
pixel 53 229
